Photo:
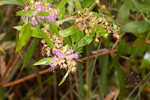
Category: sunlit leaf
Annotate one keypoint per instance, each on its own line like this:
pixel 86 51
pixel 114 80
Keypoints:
pixel 11 2
pixel 42 14
pixel 18 28
pixel 64 78
pixel 44 61
pixel 27 13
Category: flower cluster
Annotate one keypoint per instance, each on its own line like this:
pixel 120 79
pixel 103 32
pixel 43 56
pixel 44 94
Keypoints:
pixel 57 41
pixel 64 60
pixel 39 7
pixel 87 21
pixel 62 57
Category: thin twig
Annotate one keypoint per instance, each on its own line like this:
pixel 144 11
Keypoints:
pixel 99 54
pixel 27 77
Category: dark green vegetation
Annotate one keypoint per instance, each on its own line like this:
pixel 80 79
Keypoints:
pixel 112 38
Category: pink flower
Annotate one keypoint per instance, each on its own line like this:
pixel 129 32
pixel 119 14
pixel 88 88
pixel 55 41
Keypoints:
pixel 51 18
pixel 33 22
pixel 40 18
pixel 59 54
pixel 75 55
pixel 26 8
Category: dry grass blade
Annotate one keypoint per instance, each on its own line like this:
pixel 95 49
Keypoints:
pixel 2 65
pixel 113 95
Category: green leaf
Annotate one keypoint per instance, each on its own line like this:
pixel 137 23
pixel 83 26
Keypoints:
pixel 53 28
pixel 24 36
pixel 18 28
pixel 78 5
pixel 69 31
pixel 71 6
pixel 42 14
pixel 10 2
pixel 84 41
pixel 44 61
pixel 64 78
pixel 62 8
pixel 77 36
pixel 62 4
pixel 36 32
pixel 124 12
pixel 30 52
pixel 27 13
pixel 136 27
pixel 139 50
pixel 100 30
pixel 87 3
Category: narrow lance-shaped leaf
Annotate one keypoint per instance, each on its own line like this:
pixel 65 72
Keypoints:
pixel 8 2
pixel 42 14
pixel 24 36
pixel 47 39
pixel 62 4
pixel 30 52
pixel 53 28
pixel 27 13
pixel 64 78
pixel 61 7
pixel 18 28
pixel 44 61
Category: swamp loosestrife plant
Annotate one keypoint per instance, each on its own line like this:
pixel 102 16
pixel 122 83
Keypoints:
pixel 61 45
